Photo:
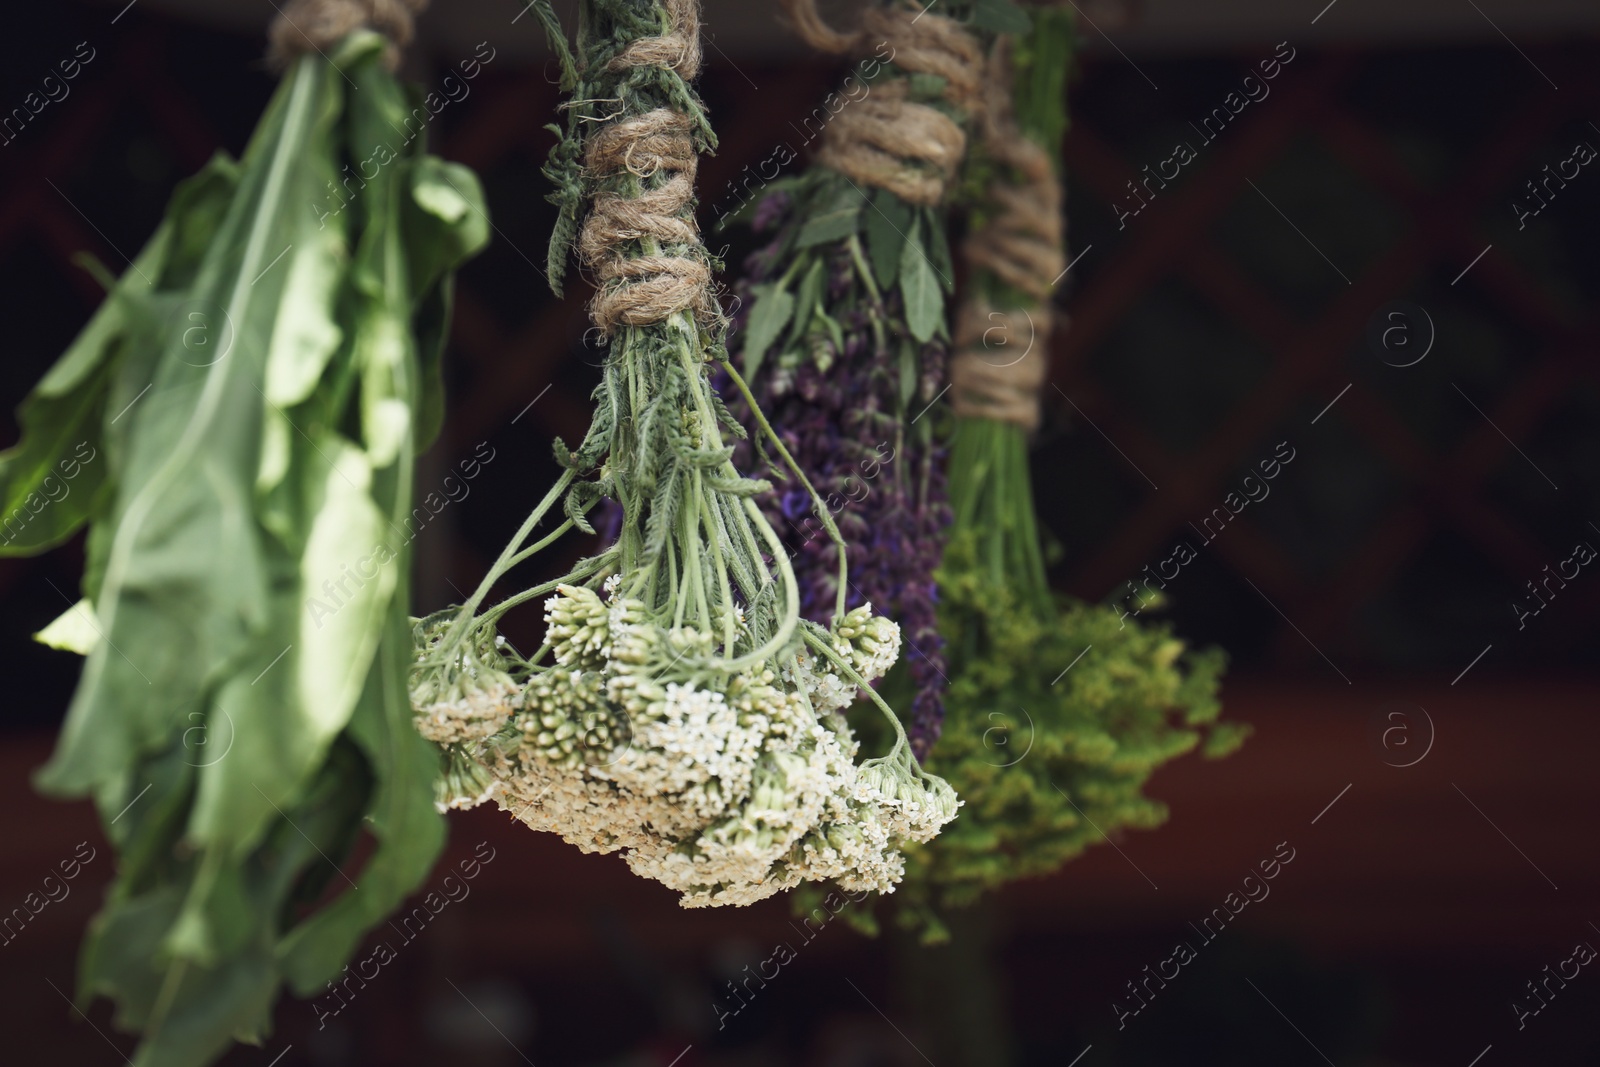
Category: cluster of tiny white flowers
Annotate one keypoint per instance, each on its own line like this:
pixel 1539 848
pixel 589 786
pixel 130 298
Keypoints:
pixel 871 642
pixel 466 700
pixel 727 790
pixel 868 642
pixel 461 699
pixel 474 716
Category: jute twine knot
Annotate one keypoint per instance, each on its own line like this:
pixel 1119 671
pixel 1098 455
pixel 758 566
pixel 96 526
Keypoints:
pixel 637 290
pixel 1023 246
pixel 886 140
pixel 319 25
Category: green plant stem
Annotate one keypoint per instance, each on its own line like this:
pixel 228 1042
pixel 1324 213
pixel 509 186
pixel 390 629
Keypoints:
pixel 541 545
pixel 591 566
pixel 465 621
pixel 843 666
pixel 990 492
pixel 688 577
pixel 729 622
pixel 864 272
pixel 822 508
pixel 791 588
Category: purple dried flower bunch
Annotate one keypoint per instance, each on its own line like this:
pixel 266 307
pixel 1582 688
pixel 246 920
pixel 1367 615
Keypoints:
pixel 838 374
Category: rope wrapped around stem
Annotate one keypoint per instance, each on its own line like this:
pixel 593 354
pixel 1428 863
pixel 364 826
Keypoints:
pixel 1022 246
pixel 319 25
pixel 672 274
pixel 886 140
pixel 986 380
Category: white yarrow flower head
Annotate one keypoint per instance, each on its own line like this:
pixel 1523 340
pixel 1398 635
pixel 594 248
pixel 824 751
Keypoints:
pixel 577 626
pixel 726 785
pixel 873 642
pixel 462 691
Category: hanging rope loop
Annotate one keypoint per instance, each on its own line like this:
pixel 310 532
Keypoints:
pixel 319 25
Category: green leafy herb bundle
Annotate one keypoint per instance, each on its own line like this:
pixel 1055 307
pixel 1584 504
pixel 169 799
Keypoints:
pixel 251 396
pixel 1057 710
pixel 689 717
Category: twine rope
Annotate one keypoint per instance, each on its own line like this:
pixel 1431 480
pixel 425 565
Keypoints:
pixel 678 48
pixel 318 25
pixel 886 140
pixel 638 290
pixel 1023 247
pixel 986 379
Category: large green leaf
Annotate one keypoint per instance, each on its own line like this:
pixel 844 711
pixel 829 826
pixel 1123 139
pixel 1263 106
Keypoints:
pixel 50 481
pixel 306 333
pixel 409 830
pixel 770 313
pixel 197 210
pixel 281 709
pixel 122 940
pixel 351 551
pixel 183 588
pixel 279 712
pixel 446 223
pixel 190 961
pixel 445 220
pixel 920 288
pixel 833 219
pixel 888 220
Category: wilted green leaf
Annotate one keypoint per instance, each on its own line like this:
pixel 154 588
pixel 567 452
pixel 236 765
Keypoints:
pixel 50 481
pixel 410 831
pixel 72 631
pixel 920 288
pixel 306 333
pixel 769 314
pixel 834 219
pixel 888 219
pixel 451 223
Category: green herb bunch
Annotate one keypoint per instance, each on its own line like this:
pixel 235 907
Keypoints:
pixel 1057 711
pixel 252 395
pixel 688 716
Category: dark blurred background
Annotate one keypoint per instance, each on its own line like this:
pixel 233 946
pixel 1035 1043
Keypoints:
pixel 1353 269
